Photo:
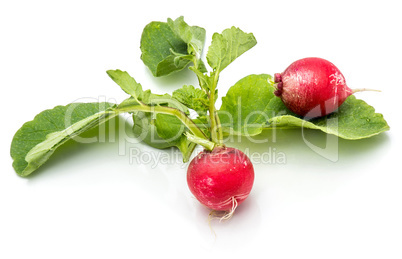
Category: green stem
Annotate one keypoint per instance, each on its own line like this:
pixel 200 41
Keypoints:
pixel 167 110
pixel 200 141
pixel 190 148
pixel 214 136
pixel 200 76
pixel 220 131
pixel 216 129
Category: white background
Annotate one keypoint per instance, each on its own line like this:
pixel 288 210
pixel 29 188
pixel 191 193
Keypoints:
pixel 96 201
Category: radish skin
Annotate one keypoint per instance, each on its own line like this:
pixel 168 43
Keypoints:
pixel 221 179
pixel 312 87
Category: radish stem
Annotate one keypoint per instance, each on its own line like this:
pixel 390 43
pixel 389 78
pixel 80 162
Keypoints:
pixel 189 123
pixel 214 136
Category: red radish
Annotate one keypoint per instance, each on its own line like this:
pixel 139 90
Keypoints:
pixel 312 87
pixel 221 179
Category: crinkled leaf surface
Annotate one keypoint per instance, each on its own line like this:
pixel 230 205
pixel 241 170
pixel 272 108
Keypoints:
pixel 193 98
pixel 168 47
pixel 194 36
pixel 156 42
pixel 228 46
pixel 250 107
pixel 36 140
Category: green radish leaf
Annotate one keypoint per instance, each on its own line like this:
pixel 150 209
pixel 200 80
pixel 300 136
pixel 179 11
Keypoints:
pixel 168 47
pixel 193 98
pixel 157 130
pixel 203 123
pixel 246 107
pixel 250 107
pixel 156 42
pixel 162 131
pixel 144 129
pixel 170 64
pixel 353 120
pixel 194 36
pixel 36 140
pixel 140 97
pixel 169 127
pixel 228 46
pixel 127 83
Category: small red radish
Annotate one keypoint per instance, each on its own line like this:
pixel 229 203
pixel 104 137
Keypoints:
pixel 312 87
pixel 221 179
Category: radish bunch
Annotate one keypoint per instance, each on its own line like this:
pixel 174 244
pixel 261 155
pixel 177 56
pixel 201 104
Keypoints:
pixel 220 177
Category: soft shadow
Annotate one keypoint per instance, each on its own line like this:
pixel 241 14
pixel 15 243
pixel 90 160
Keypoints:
pixel 245 220
pixel 173 81
pixel 306 145
pixel 354 149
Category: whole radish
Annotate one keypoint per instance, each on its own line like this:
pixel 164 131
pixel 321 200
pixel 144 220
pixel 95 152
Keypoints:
pixel 312 87
pixel 221 179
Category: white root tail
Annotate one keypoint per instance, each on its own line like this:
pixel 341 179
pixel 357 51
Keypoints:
pixel 364 89
pixel 222 215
